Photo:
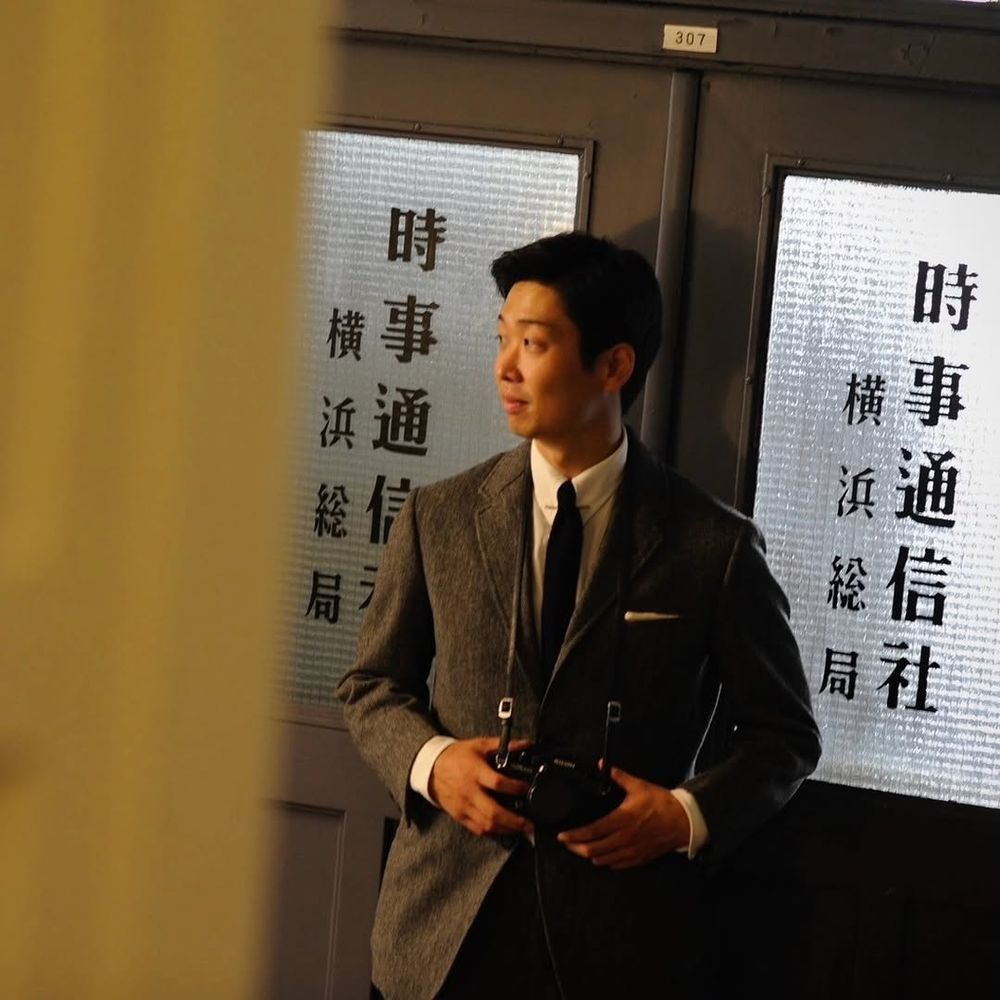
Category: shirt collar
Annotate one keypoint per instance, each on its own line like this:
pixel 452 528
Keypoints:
pixel 593 486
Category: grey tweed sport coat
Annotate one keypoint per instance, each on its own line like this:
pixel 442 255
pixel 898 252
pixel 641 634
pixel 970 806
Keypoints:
pixel 444 596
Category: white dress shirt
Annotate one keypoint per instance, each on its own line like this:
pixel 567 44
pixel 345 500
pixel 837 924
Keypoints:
pixel 595 490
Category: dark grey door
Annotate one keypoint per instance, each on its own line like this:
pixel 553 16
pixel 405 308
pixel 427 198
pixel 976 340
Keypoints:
pixel 850 892
pixel 333 818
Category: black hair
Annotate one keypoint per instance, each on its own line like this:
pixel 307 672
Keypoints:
pixel 609 293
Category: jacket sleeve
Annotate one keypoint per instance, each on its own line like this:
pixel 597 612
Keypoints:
pixel 770 738
pixel 385 694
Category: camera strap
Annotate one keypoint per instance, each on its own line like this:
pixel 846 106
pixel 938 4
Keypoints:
pixel 505 710
pixel 613 714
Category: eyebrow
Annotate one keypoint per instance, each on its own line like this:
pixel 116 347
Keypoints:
pixel 527 322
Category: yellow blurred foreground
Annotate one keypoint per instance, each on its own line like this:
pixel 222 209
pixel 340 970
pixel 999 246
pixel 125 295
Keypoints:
pixel 148 194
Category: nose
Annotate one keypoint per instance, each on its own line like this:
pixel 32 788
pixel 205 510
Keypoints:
pixel 506 367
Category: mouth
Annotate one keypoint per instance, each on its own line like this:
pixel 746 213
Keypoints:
pixel 512 406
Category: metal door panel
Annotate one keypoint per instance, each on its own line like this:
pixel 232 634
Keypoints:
pixel 333 813
pixel 900 869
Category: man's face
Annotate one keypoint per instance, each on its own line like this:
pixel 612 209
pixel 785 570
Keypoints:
pixel 545 390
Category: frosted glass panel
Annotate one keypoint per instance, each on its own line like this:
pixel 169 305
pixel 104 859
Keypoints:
pixel 399 322
pixel 879 477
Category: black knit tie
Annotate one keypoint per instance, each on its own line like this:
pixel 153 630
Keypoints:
pixel 562 569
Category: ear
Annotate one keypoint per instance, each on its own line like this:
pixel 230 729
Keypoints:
pixel 617 365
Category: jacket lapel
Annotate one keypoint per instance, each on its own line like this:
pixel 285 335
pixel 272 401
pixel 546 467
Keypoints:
pixel 500 517
pixel 634 536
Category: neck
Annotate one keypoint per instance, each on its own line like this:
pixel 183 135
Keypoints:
pixel 576 456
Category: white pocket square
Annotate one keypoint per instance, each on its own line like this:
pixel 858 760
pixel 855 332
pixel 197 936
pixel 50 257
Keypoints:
pixel 650 616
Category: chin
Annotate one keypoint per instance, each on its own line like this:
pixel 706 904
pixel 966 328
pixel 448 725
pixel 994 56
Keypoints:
pixel 519 425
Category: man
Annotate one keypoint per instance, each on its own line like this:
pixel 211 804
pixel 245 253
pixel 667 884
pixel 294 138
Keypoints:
pixel 670 603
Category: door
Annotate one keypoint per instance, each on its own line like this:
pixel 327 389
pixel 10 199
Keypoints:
pixel 853 891
pixel 334 821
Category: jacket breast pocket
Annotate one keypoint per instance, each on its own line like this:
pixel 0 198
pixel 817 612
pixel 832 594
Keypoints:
pixel 662 647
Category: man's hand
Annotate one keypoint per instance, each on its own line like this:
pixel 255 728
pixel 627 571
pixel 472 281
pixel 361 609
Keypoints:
pixel 649 823
pixel 462 779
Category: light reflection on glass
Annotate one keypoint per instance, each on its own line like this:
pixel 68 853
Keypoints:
pixel 879 477
pixel 396 388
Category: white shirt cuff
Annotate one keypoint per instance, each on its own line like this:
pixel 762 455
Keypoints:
pixel 423 764
pixel 699 829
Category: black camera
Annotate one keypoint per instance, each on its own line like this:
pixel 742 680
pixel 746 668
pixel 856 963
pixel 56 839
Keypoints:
pixel 562 793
